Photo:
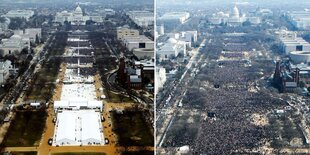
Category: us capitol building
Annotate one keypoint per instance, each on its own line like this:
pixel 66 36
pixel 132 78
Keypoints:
pixel 233 19
pixel 76 17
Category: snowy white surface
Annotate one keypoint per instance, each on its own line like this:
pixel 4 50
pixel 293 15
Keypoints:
pixel 81 127
pixel 73 91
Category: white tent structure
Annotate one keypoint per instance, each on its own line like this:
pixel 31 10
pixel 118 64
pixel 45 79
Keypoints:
pixel 89 132
pixel 81 127
pixel 77 104
pixel 65 133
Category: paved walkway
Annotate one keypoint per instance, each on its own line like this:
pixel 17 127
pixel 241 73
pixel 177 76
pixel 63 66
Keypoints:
pixel 21 149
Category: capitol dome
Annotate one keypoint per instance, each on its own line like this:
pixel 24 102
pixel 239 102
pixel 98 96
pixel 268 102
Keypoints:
pixel 235 12
pixel 78 10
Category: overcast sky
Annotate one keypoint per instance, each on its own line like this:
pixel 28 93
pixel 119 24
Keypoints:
pixel 238 1
pixel 72 1
pixel 282 4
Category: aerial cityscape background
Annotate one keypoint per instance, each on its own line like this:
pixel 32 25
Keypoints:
pixel 131 77
pixel 77 77
pixel 232 77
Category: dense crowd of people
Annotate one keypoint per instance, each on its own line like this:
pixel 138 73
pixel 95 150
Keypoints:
pixel 232 130
pixel 233 54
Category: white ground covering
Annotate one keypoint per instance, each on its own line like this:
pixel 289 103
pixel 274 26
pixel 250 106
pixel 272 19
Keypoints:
pixel 75 125
pixel 81 127
pixel 73 52
pixel 73 91
pixel 76 39
pixel 85 65
pixel 71 75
